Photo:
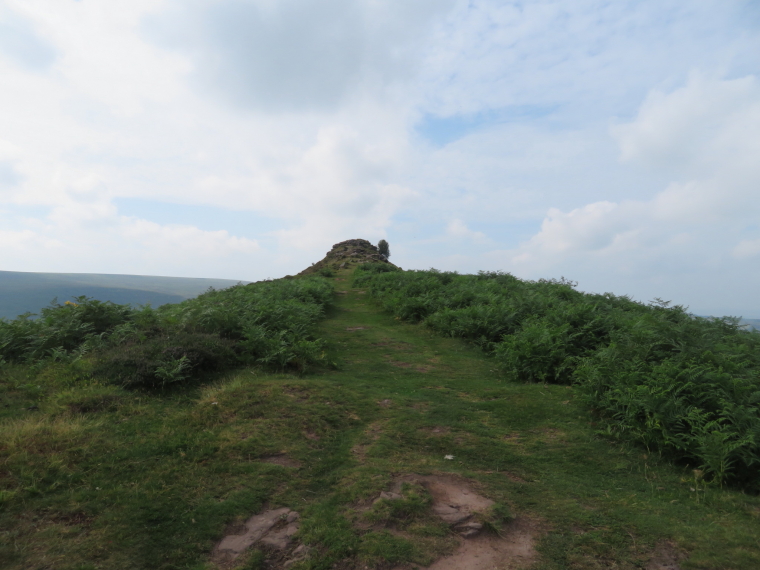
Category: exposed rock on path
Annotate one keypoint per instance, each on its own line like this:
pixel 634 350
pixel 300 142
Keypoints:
pixel 455 502
pixel 274 529
pixel 487 552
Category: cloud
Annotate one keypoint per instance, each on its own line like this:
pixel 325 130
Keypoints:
pixel 747 248
pixel 705 136
pixel 588 57
pixel 705 133
pixel 458 230
pixel 293 56
pixel 708 129
pixel 166 242
pixel 592 228
pixel 21 43
pixel 8 174
pixel 90 236
pixel 696 128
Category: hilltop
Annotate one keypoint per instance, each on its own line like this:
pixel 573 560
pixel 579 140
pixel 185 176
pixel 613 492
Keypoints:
pixel 347 255
pixel 377 419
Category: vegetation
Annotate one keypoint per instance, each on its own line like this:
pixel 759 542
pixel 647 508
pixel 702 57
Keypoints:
pixel 95 475
pixel 685 386
pixel 22 292
pixel 267 323
pixel 383 248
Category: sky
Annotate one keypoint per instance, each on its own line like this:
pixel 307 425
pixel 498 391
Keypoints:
pixel 613 143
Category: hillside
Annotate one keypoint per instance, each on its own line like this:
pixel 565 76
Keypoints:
pixel 23 292
pixel 309 424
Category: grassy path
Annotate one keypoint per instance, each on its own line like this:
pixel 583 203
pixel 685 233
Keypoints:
pixel 532 446
pixel 154 482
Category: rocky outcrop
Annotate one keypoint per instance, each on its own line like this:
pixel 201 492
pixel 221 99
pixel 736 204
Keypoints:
pixel 347 254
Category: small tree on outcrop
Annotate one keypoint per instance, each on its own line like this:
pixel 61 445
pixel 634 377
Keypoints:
pixel 383 248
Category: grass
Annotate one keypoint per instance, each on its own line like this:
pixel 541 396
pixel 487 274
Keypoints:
pixel 96 477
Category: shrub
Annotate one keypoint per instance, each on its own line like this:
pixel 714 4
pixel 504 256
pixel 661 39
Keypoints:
pixel 163 361
pixel 60 328
pixel 539 352
pixel 268 323
pixel 376 268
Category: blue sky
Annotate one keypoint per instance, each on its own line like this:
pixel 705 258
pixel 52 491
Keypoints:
pixel 613 143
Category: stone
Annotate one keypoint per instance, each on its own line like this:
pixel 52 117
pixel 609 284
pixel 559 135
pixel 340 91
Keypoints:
pixel 274 528
pixel 451 514
pixel 469 528
pixel 255 528
pixel 280 539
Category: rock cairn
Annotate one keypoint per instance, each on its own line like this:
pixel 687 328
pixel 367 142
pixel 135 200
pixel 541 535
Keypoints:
pixel 346 254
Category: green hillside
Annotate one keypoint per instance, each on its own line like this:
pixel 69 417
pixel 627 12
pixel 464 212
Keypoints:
pixel 22 292
pixel 369 420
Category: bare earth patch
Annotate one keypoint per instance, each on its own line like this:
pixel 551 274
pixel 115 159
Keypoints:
pixel 455 502
pixel 516 549
pixel 352 329
pixel 273 530
pixel 666 556
pixel 282 459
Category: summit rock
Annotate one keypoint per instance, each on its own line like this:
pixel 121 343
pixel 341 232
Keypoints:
pixel 346 254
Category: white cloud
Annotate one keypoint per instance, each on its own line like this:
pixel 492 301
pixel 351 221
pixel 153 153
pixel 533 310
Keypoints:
pixel 590 56
pixel 693 225
pixel 188 242
pixel 747 248
pixel 290 55
pixel 694 128
pixel 21 43
pixel 459 230
pixel 591 228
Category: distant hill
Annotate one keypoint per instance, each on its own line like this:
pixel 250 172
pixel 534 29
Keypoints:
pixel 22 292
pixel 753 323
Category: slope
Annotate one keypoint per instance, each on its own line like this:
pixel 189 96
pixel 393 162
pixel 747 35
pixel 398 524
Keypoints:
pixel 97 477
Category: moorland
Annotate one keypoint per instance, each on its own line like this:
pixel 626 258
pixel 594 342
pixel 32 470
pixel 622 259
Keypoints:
pixel 360 416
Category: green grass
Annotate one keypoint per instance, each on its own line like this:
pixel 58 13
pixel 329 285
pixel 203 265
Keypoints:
pixel 657 375
pixel 94 476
